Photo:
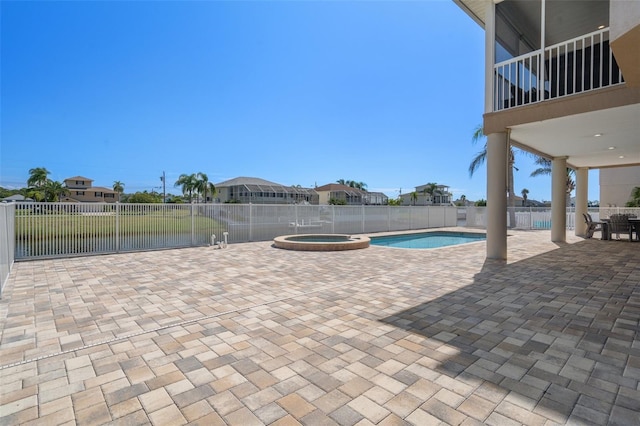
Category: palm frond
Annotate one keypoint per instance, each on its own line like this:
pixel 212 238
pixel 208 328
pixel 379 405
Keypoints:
pixel 477 161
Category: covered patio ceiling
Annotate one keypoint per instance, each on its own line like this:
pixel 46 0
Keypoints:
pixel 596 139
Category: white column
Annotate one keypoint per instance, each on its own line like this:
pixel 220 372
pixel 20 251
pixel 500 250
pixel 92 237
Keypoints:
pixel 489 55
pixel 497 160
pixel 558 203
pixel 582 193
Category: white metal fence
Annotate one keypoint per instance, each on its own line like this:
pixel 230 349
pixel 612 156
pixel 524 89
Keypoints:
pixel 578 65
pixel 45 230
pixel 540 217
pixel 7 241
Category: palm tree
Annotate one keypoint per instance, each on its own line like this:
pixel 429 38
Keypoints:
pixel 525 193
pixel 188 183
pixel 53 190
pixel 545 169
pixel 37 177
pixel 414 197
pixel 341 182
pixel 479 160
pixel 202 184
pixel 430 189
pixel 118 187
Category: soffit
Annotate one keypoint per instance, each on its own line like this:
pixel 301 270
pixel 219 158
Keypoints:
pixel 474 8
pixel 573 137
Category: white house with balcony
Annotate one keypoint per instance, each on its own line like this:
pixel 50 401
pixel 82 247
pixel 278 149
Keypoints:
pixel 425 196
pixel 562 80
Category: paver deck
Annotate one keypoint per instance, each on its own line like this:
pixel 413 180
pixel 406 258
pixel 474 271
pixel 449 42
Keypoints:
pixel 252 334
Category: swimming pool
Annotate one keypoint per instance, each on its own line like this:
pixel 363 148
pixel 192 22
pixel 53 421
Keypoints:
pixel 427 240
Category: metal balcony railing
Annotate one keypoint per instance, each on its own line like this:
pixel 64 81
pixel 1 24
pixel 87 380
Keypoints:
pixel 574 66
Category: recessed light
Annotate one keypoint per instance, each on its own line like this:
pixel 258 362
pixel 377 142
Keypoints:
pixel 622 156
pixel 612 147
pixel 601 27
pixel 597 135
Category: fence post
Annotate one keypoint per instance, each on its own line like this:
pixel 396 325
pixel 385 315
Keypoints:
pixel 250 222
pixel 388 217
pixel 295 210
pixel 333 219
pixel 193 228
pixel 117 226
pixel 362 210
pixel 530 218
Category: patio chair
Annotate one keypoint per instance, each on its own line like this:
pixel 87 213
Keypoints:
pixel 591 225
pixel 620 223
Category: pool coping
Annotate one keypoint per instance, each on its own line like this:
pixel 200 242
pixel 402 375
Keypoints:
pixel 352 242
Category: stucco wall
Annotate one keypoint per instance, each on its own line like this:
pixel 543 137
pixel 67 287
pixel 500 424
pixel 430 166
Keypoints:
pixel 616 185
pixel 623 16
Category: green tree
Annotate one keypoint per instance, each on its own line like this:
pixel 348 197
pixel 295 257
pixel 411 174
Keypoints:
pixel 414 197
pixel 481 203
pixel 38 177
pixel 545 169
pixel 525 193
pixel 635 198
pixel 430 189
pixel 203 186
pixel 353 184
pixel 188 184
pixel 337 202
pixel 360 185
pixel 144 197
pixel 54 190
pixel 35 194
pixel 118 187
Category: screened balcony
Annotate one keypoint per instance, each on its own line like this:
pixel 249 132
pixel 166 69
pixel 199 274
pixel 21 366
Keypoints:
pixel 578 65
pixel 550 49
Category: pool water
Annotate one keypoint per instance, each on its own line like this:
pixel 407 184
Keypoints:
pixel 427 240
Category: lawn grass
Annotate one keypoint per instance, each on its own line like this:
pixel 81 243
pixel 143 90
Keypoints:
pixel 59 225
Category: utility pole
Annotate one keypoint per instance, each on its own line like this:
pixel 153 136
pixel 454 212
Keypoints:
pixel 164 187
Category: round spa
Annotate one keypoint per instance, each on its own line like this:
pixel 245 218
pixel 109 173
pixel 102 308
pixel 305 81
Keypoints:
pixel 321 242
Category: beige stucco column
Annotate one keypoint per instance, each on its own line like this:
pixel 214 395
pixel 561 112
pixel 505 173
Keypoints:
pixel 558 203
pixel 582 194
pixel 497 157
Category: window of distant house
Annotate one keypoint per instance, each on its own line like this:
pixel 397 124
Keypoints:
pixel 79 192
pixel 79 182
pixel 109 195
pixel 98 194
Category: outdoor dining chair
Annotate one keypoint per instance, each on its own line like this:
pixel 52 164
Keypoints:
pixel 619 223
pixel 591 225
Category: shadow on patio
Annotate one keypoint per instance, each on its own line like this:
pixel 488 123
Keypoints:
pixel 559 332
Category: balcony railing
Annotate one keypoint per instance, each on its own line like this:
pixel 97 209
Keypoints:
pixel 575 66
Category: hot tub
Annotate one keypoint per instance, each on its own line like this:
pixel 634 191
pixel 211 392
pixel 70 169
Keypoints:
pixel 321 242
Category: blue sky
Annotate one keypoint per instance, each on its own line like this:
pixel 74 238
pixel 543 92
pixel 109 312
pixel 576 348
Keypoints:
pixel 296 92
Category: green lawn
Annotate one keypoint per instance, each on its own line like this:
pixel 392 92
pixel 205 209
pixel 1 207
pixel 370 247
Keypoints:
pixel 38 226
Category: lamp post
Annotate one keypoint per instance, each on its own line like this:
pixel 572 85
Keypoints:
pixel 163 179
